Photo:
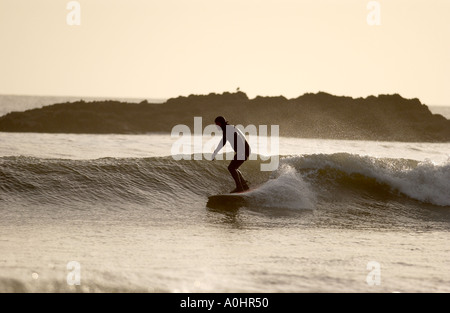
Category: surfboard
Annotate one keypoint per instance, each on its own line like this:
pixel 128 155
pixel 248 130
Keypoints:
pixel 229 200
pixel 226 201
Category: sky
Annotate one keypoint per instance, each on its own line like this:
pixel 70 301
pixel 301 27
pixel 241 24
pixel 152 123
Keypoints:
pixel 167 48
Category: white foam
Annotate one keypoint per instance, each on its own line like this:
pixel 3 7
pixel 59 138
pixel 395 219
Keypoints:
pixel 424 181
pixel 286 190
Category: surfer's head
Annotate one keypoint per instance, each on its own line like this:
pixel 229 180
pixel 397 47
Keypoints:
pixel 221 121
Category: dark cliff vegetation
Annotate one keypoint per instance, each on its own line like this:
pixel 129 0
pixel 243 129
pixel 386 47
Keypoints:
pixel 321 115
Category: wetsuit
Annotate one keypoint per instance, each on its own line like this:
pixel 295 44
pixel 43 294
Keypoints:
pixel 240 145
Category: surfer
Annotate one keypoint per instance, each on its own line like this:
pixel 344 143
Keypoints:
pixel 237 140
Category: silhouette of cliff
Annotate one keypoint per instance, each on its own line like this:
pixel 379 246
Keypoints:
pixel 320 115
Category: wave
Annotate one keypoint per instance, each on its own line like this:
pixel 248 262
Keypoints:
pixel 422 181
pixel 300 182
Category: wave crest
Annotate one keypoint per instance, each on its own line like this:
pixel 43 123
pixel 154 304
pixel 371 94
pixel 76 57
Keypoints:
pixel 157 181
pixel 423 181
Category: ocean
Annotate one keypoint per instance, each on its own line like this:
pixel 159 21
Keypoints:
pixel 117 213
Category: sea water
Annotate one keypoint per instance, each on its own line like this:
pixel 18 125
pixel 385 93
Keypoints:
pixel 102 213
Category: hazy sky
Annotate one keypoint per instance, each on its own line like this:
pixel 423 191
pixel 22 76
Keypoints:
pixel 166 48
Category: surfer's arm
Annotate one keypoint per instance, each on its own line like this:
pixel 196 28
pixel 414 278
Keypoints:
pixel 219 146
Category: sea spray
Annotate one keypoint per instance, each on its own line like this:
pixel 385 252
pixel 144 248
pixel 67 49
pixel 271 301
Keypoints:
pixel 286 189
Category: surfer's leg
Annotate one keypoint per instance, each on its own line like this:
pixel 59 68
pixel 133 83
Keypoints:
pixel 234 165
pixel 241 178
pixel 243 181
